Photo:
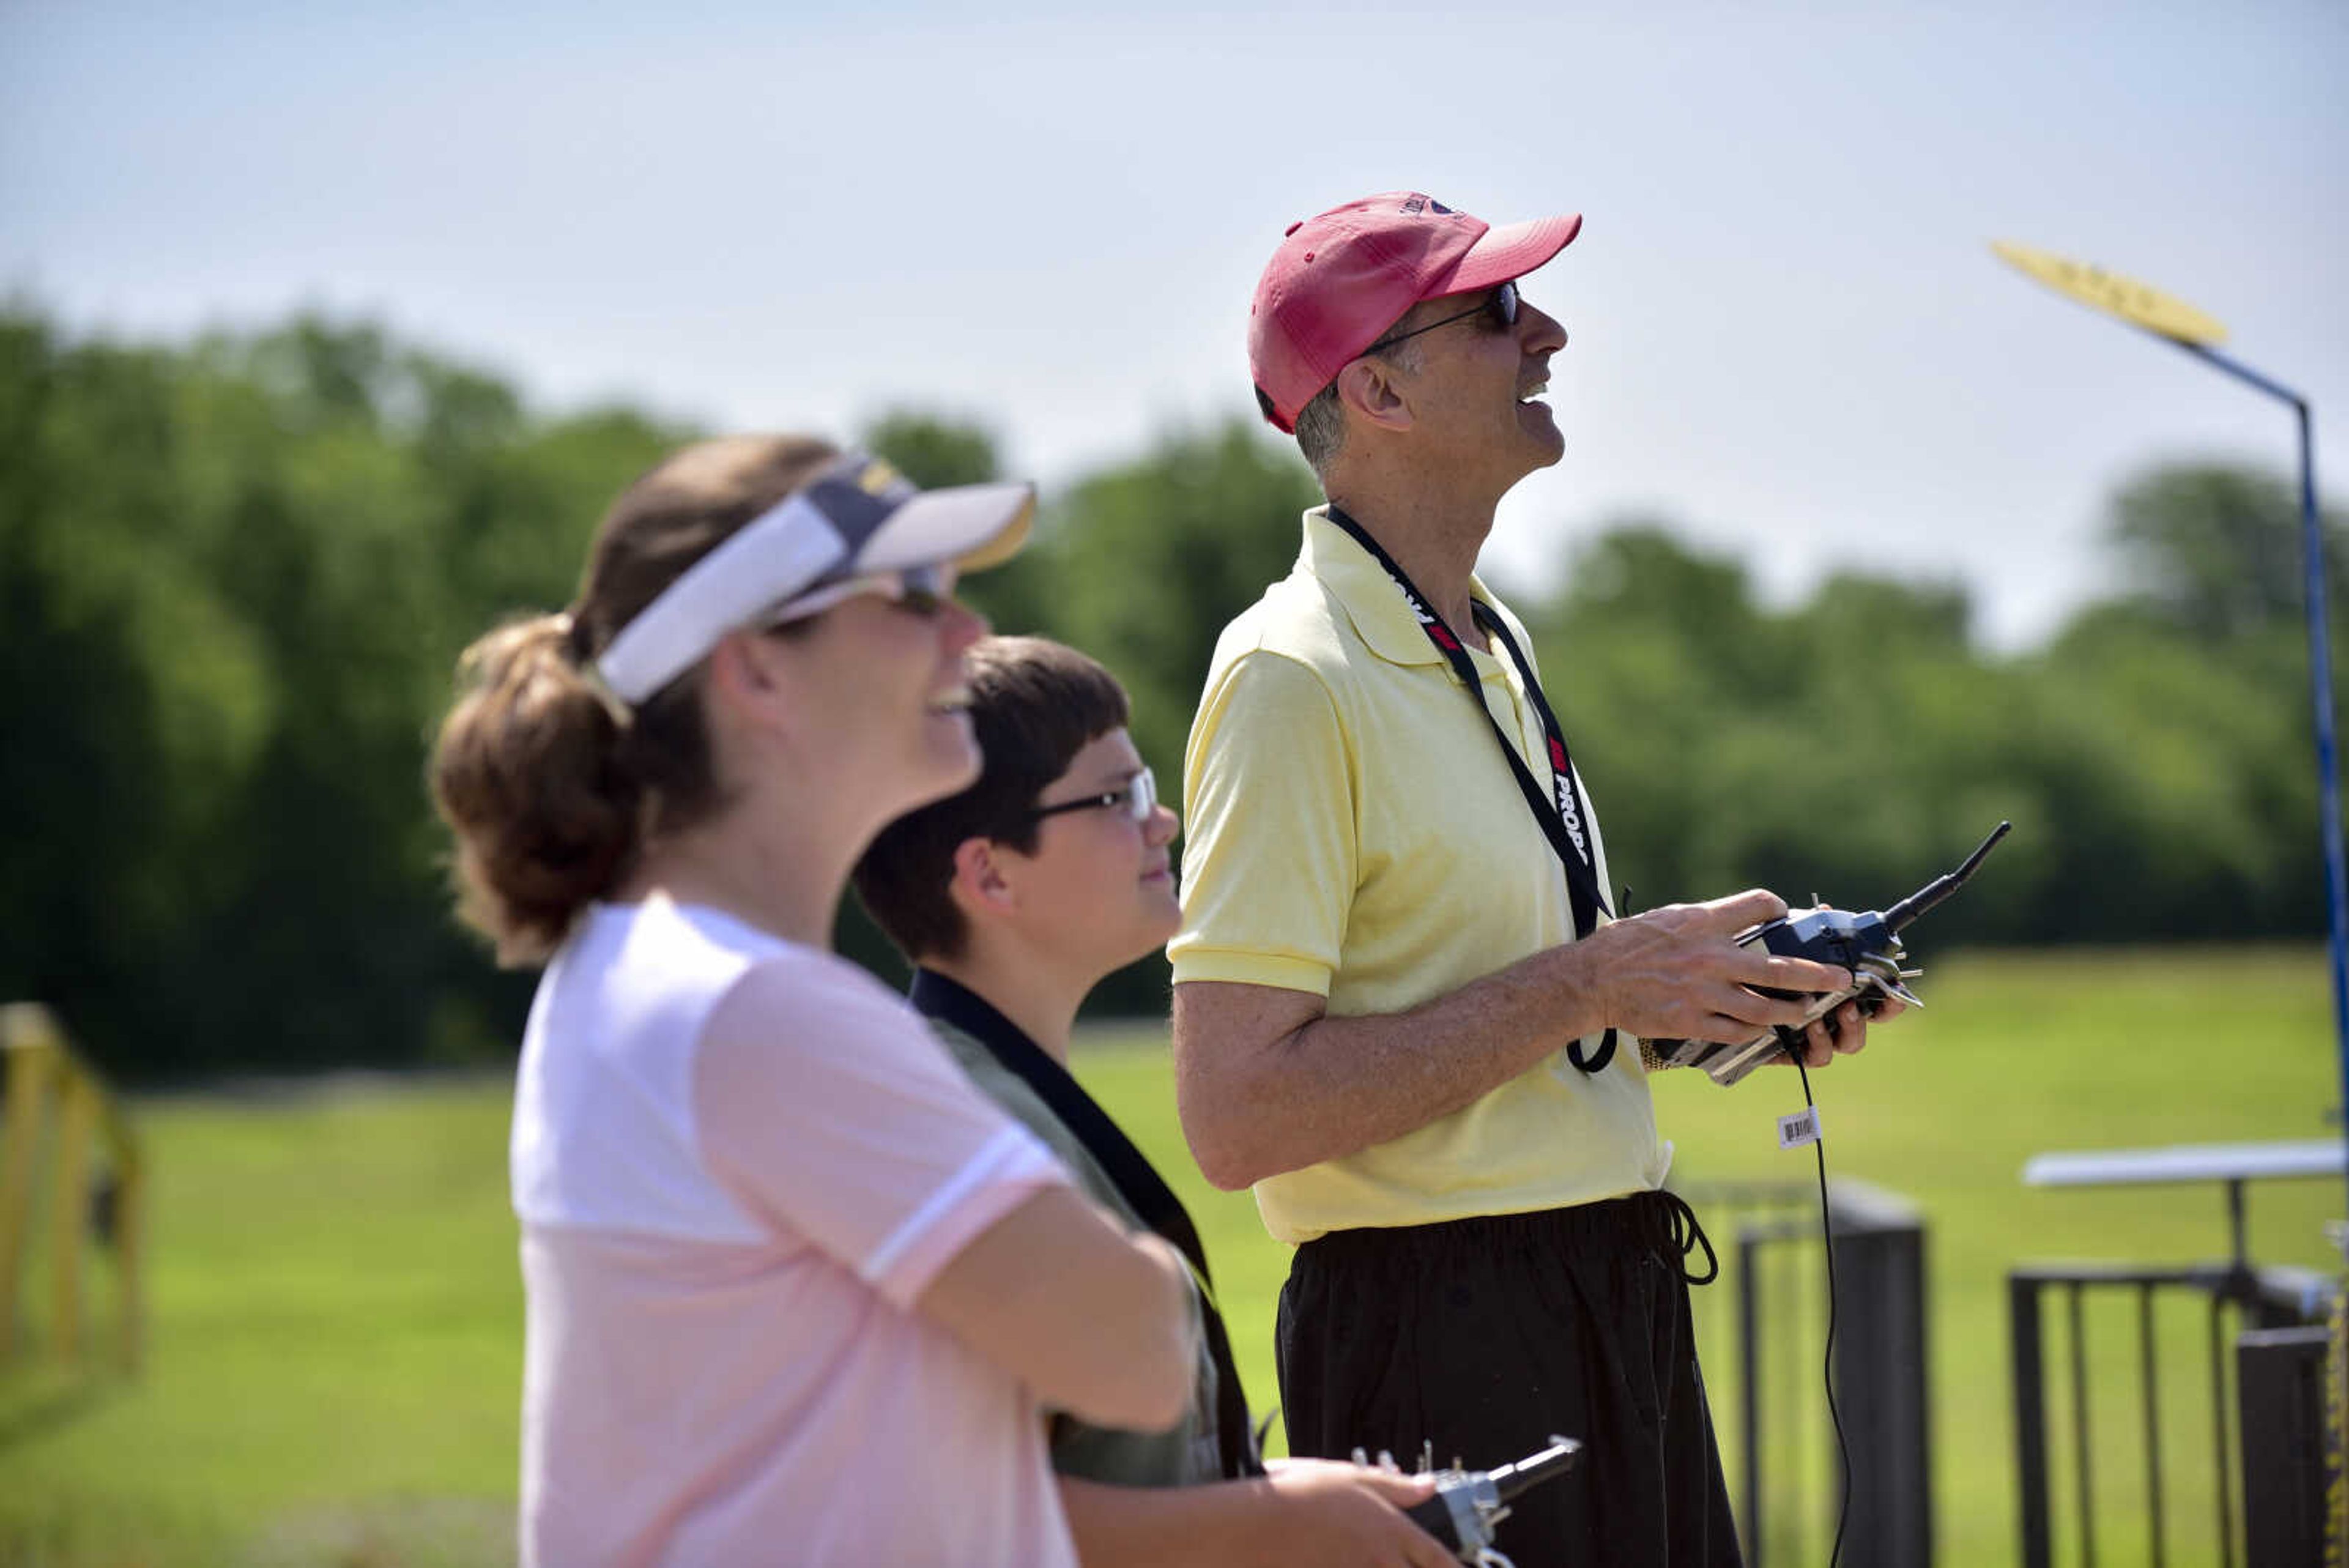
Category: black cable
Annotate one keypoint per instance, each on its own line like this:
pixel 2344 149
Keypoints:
pixel 1826 1235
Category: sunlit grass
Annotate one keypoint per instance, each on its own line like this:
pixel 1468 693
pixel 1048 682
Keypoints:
pixel 333 1343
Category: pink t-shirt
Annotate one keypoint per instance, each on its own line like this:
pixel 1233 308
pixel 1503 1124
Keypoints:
pixel 723 1232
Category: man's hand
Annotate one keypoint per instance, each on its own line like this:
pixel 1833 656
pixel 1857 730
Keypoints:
pixel 1349 1516
pixel 1822 1046
pixel 1677 973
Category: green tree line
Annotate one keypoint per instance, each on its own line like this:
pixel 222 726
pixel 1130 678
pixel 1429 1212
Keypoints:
pixel 235 575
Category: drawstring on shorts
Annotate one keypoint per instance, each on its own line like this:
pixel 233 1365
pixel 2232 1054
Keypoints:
pixel 1671 1231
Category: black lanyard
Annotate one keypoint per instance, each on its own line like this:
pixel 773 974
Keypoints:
pixel 1564 815
pixel 1144 1190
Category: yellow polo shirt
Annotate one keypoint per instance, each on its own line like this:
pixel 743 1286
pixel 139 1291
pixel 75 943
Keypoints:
pixel 1350 831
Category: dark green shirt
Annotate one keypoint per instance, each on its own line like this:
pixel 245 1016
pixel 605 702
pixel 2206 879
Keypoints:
pixel 1183 1456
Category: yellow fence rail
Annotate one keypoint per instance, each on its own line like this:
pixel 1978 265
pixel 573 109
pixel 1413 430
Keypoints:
pixel 48 1082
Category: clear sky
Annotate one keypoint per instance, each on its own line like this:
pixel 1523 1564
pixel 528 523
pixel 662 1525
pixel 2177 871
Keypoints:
pixel 1788 334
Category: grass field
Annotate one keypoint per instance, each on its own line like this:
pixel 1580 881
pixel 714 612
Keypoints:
pixel 334 1348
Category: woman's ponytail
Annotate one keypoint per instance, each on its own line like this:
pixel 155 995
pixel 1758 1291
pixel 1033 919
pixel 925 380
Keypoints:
pixel 531 773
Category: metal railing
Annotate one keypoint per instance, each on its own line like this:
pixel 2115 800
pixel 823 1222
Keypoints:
pixel 57 1104
pixel 2265 1422
pixel 1764 1359
pixel 2234 1299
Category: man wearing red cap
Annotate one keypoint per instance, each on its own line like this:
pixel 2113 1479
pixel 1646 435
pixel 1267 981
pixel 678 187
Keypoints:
pixel 1406 1011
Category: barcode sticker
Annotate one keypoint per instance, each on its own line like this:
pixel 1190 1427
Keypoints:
pixel 1801 1127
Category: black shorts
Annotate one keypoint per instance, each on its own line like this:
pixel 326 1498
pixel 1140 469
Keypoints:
pixel 1484 1337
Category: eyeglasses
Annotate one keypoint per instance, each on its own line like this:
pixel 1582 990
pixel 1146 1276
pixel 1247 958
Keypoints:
pixel 920 591
pixel 1138 797
pixel 1500 307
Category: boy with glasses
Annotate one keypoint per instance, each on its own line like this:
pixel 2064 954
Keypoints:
pixel 1013 900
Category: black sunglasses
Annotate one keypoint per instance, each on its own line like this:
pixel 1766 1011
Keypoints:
pixel 920 591
pixel 1500 307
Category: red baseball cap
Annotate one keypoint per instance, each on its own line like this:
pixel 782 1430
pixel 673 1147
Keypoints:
pixel 1343 278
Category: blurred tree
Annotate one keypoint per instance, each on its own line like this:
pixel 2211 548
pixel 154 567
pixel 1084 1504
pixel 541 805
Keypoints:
pixel 238 579
pixel 1856 744
pixel 2217 550
pixel 138 703
pixel 235 576
pixel 1639 576
pixel 1152 557
pixel 932 449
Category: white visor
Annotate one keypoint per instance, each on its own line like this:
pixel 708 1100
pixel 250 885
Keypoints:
pixel 859 517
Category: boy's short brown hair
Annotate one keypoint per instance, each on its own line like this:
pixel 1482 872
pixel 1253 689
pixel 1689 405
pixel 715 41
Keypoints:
pixel 1034 705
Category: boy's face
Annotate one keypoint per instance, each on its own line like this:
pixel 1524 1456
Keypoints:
pixel 1099 887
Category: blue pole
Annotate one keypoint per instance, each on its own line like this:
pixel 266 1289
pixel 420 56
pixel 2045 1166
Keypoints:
pixel 2319 673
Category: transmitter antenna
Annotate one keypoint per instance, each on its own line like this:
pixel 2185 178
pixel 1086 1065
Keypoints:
pixel 1898 917
pixel 1511 1480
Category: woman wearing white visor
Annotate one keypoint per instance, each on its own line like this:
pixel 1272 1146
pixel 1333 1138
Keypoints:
pixel 795 1286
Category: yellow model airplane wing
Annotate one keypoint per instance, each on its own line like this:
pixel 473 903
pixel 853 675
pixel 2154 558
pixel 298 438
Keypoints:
pixel 2138 303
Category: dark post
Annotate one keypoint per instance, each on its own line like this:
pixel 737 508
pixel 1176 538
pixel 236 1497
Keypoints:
pixel 1749 1357
pixel 2150 1397
pixel 2280 1379
pixel 2081 1447
pixel 2029 1415
pixel 1879 1246
pixel 2219 1427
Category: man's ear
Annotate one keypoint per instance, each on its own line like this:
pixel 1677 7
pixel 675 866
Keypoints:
pixel 1372 394
pixel 978 885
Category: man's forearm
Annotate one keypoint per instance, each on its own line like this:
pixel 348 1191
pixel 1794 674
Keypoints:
pixel 1268 1085
pixel 1319 1088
